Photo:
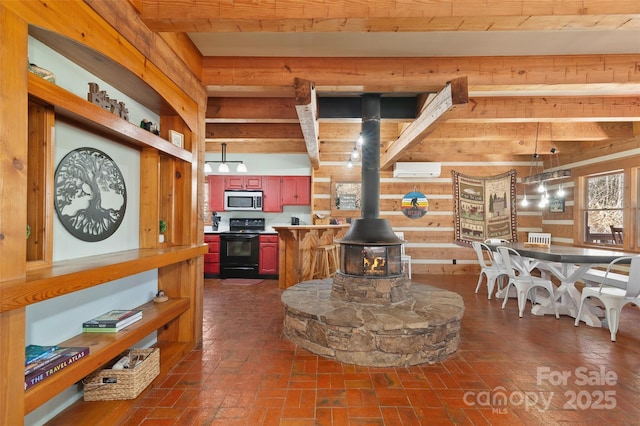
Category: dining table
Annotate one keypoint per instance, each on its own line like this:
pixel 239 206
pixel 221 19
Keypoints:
pixel 568 264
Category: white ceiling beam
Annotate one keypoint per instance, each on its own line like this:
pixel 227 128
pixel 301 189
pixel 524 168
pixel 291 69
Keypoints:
pixel 307 109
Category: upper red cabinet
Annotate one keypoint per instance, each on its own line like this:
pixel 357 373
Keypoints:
pixel 271 194
pixel 243 182
pixel 296 190
pixel 216 193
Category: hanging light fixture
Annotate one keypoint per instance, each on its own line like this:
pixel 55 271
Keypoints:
pixel 359 141
pixel 541 178
pixel 355 154
pixel 224 163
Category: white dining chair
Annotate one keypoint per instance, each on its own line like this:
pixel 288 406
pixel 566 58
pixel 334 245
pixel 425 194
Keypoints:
pixel 614 298
pixel 491 267
pixel 524 283
pixel 539 238
pixel 404 258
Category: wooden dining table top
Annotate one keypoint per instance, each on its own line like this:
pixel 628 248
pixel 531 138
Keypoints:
pixel 565 254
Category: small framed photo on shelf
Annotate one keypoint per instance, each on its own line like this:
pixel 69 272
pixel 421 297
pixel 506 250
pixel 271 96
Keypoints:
pixel 176 138
pixel 556 205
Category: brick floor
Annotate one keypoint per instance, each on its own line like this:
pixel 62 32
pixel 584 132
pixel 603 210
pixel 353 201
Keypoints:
pixel 247 373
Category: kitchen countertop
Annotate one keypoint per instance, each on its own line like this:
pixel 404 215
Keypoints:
pixel 209 230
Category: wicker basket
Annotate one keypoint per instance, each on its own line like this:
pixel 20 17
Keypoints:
pixel 108 384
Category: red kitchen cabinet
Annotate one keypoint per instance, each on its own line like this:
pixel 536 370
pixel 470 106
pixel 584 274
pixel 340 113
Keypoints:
pixel 216 193
pixel 244 182
pixel 271 194
pixel 268 258
pixel 296 190
pixel 212 258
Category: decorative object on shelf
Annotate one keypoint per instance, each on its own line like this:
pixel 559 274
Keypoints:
pixel 176 138
pixel 224 166
pixel 541 178
pixel 41 72
pixel 414 204
pixel 484 207
pixel 149 126
pixel 162 229
pixel 100 98
pixel 118 384
pixel 161 297
pixel 90 194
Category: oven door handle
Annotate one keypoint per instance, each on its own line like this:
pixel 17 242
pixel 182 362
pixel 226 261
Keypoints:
pixel 239 237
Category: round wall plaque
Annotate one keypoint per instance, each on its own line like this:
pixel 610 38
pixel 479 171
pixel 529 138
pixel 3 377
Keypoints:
pixel 90 194
pixel 415 205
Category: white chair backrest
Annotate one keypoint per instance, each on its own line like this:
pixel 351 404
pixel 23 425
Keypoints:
pixel 539 238
pixel 483 252
pixel 401 236
pixel 633 284
pixel 513 263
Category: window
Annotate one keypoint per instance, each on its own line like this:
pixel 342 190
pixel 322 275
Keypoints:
pixel 604 208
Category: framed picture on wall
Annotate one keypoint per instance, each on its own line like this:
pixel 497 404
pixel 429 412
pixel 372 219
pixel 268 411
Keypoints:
pixel 556 205
pixel 176 138
pixel 346 196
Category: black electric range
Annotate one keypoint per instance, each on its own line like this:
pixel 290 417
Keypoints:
pixel 239 248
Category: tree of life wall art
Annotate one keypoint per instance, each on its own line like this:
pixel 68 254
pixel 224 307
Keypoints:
pixel 90 194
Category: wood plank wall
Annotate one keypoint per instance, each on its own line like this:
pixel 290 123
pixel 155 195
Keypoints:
pixel 431 238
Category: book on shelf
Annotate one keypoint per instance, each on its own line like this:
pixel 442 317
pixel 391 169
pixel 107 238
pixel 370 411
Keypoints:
pixel 100 328
pixel 33 353
pixel 39 363
pixel 113 319
pixel 69 356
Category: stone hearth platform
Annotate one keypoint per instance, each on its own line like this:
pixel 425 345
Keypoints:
pixel 425 328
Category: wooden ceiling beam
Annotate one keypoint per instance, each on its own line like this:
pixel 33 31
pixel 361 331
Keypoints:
pixel 263 131
pixel 307 109
pixel 452 97
pixel 274 146
pixel 591 75
pixel 523 109
pixel 252 107
pixel 386 15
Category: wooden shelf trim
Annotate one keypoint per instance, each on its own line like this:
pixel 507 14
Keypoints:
pixel 92 116
pixel 103 347
pixel 73 275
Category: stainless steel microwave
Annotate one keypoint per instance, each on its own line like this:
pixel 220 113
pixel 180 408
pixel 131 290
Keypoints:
pixel 242 200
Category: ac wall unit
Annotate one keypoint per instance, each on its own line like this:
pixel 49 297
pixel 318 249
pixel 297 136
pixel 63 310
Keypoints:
pixel 416 170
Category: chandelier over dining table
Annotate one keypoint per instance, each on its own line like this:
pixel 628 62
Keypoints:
pixel 541 178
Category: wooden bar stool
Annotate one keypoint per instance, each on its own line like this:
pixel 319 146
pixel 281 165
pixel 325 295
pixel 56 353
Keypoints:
pixel 324 263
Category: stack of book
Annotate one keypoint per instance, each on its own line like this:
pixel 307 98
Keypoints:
pixel 43 362
pixel 112 321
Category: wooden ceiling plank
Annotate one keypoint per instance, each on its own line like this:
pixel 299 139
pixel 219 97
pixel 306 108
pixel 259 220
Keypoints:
pixel 307 109
pixel 382 15
pixel 265 131
pixel 454 95
pixel 561 108
pixel 251 107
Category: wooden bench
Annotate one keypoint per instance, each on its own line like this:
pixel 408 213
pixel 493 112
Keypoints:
pixel 594 277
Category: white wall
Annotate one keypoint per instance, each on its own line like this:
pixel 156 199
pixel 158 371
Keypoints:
pixel 55 320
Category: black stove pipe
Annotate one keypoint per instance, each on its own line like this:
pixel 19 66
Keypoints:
pixel 371 155
pixel 370 229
